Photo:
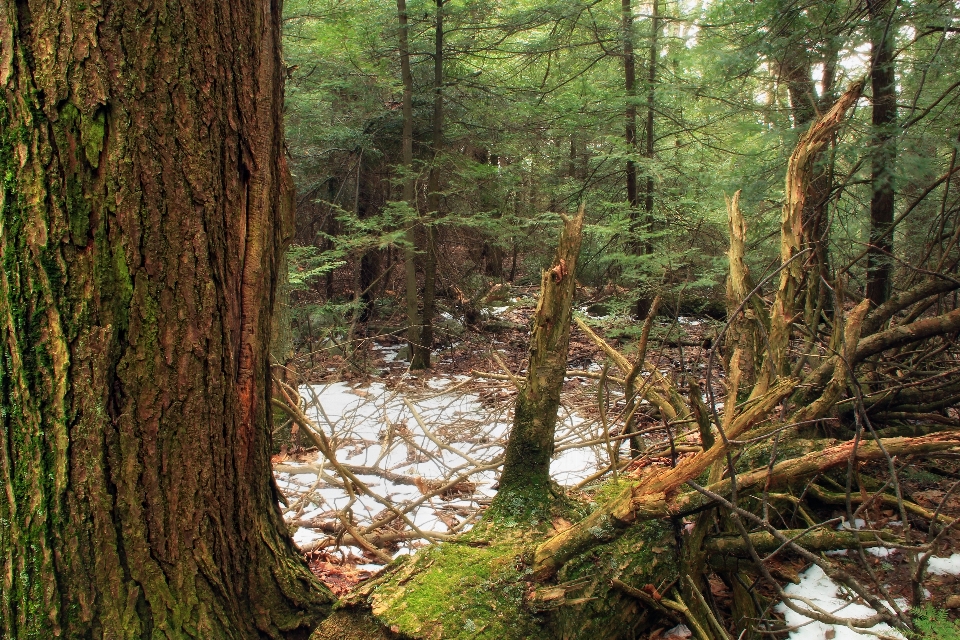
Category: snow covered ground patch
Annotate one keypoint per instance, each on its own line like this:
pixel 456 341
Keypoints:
pixel 945 566
pixel 404 447
pixel 826 594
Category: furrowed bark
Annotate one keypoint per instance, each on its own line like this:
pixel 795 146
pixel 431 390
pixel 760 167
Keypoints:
pixel 143 216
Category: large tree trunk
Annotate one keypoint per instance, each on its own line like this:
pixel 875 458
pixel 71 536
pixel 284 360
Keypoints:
pixel 144 200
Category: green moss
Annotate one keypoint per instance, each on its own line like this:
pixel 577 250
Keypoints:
pixel 519 508
pixel 611 489
pixel 459 591
pixel 758 455
pixel 644 554
pixel 93 131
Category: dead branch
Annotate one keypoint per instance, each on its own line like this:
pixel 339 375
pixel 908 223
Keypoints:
pixel 799 174
pixel 817 540
pixel 659 496
pixel 898 336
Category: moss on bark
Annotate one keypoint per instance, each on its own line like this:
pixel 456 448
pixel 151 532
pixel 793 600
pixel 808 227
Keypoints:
pixel 142 196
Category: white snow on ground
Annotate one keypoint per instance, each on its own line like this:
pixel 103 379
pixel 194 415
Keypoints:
pixel 389 353
pixel 829 596
pixel 826 594
pixel 945 566
pixel 372 426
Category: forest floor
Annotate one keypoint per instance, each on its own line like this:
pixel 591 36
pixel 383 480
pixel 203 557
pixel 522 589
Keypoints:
pixel 424 446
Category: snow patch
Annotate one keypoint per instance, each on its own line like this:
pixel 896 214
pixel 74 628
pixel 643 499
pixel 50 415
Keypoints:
pixel 817 587
pixel 945 566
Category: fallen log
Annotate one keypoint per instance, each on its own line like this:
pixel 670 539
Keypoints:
pixel 872 345
pixel 661 497
pixel 811 540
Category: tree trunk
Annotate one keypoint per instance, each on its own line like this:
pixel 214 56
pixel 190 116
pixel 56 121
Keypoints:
pixel 649 151
pixel 630 86
pixel 747 316
pixel 526 468
pixel 409 193
pixel 421 353
pixel 144 202
pixel 796 70
pixel 883 83
pixel 799 173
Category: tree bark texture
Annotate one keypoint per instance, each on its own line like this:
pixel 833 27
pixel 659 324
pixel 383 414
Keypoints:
pixel 743 345
pixel 527 458
pixel 797 71
pixel 884 120
pixel 799 173
pixel 409 187
pixel 144 207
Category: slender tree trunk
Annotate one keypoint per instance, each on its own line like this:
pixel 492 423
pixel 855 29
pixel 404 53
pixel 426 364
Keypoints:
pixel 526 469
pixel 883 83
pixel 371 191
pixel 409 194
pixel 143 214
pixel 641 245
pixel 630 85
pixel 649 151
pixel 421 354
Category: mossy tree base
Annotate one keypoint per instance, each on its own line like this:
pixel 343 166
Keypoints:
pixel 482 587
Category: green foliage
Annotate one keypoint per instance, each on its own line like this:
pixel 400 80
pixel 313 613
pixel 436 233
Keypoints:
pixel 933 624
pixel 535 99
pixel 308 264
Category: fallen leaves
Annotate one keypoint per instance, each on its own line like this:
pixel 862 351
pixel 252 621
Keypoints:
pixel 340 576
